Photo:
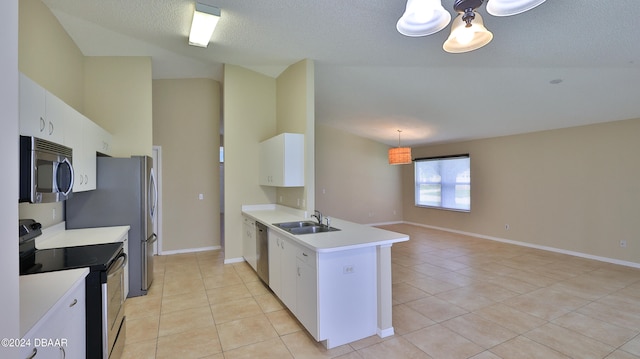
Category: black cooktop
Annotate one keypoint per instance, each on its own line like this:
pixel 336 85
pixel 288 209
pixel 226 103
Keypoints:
pixel 97 257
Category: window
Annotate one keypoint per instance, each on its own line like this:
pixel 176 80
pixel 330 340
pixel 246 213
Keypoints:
pixel 444 182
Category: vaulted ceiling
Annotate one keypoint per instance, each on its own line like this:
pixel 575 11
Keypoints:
pixel 562 64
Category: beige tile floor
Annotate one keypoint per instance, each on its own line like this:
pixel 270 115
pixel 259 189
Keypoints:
pixel 454 297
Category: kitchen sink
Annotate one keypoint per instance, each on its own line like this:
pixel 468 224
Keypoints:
pixel 305 227
pixel 312 229
pixel 298 224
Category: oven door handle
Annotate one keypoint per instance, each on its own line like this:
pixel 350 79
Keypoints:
pixel 116 267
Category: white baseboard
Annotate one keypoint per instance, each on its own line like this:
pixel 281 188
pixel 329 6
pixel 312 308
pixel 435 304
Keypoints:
pixel 189 250
pixel 384 223
pixel 234 260
pixel 536 246
pixel 387 332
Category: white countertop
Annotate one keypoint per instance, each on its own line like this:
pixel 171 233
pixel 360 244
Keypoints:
pixel 351 235
pixel 57 236
pixel 40 292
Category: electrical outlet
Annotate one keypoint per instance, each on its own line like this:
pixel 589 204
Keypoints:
pixel 623 244
pixel 348 269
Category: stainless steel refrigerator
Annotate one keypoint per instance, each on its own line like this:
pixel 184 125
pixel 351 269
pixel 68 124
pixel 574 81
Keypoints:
pixel 126 194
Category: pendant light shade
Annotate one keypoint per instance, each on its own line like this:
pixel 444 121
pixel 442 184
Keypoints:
pixel 422 18
pixel 399 155
pixel 467 37
pixel 511 7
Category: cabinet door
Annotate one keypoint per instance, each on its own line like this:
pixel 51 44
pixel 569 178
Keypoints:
pixel 249 242
pixel 275 253
pixel 307 296
pixel 271 167
pixel 32 108
pixel 61 332
pixel 103 141
pixel 288 270
pixel 75 138
pixel 56 112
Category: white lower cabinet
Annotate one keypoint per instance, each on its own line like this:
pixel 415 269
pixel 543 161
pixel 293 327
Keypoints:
pixel 307 296
pixel 249 241
pixel 292 277
pixel 282 269
pixel 61 332
pixel 333 295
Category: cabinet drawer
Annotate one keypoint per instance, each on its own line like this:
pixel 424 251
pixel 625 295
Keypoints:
pixel 306 255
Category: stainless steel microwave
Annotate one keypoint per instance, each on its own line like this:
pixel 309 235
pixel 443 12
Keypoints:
pixel 46 171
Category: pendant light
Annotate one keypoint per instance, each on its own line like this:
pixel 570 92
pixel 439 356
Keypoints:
pixel 399 155
pixel 467 34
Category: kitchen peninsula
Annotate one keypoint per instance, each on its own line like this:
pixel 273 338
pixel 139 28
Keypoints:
pixel 337 283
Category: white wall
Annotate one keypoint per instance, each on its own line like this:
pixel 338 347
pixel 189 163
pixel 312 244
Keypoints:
pixel 9 300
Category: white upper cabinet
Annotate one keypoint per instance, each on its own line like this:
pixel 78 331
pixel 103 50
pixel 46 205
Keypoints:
pixel 45 116
pixel 41 114
pixel 282 161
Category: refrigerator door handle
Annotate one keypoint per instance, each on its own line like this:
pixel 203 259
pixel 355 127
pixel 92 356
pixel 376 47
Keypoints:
pixel 152 239
pixel 153 193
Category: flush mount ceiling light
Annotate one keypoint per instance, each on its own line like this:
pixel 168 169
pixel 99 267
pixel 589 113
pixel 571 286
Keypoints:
pixel 468 33
pixel 205 19
pixel 399 155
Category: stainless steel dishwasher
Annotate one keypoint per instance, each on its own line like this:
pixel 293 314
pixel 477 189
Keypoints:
pixel 262 252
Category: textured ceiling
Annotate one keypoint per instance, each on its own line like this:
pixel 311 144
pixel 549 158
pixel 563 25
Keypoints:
pixel 371 81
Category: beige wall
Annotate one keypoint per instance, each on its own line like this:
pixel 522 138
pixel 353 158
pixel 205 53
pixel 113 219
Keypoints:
pixel 9 300
pixel 295 113
pixel 354 180
pixel 575 189
pixel 49 57
pixel 186 125
pixel 118 97
pixel 249 104
pixel 114 92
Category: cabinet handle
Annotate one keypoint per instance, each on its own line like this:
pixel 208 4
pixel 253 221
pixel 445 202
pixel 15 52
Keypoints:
pixel 51 127
pixel 33 353
pixel 43 124
pixel 304 254
pixel 75 301
pixel 64 353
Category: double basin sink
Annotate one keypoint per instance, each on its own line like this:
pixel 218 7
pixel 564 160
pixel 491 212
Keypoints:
pixel 305 227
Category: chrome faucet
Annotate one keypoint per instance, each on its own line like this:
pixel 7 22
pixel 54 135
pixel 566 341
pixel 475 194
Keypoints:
pixel 318 215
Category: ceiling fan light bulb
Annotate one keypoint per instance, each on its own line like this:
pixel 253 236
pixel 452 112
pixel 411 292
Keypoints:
pixel 465 35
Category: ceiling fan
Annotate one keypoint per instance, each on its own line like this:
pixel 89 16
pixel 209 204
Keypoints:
pixel 468 33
